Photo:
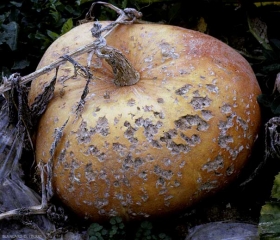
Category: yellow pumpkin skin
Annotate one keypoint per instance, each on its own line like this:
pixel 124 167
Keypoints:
pixel 184 131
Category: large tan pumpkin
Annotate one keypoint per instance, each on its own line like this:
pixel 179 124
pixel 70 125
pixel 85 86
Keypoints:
pixel 184 131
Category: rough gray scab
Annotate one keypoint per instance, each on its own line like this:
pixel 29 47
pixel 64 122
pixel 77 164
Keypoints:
pixel 223 141
pixel 234 152
pixel 103 175
pixel 147 108
pixel 214 165
pixel 163 190
pixel 102 126
pixel 90 175
pixel 61 157
pixel 167 51
pixel 150 129
pixel 206 115
pixel 170 144
pixel 183 90
pixel 225 125
pixel 116 184
pixel 156 144
pixel 131 102
pixel 212 88
pixel 120 148
pixel 116 120
pixel 138 162
pixel 176 183
pixel 129 162
pixel 93 150
pixel 208 186
pixel 167 162
pixel 160 182
pixel 166 174
pixel 84 134
pixel 160 100
pixel 75 164
pixel 101 202
pixel 199 103
pixel 160 115
pixel 144 197
pixel 230 170
pixel 129 132
pixel 226 108
pixel 186 122
pixel 74 177
pixel 149 157
pixel 144 175
pixel 242 123
pixel 191 141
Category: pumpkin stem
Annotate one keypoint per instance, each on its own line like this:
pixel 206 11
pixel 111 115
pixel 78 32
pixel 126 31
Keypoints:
pixel 124 73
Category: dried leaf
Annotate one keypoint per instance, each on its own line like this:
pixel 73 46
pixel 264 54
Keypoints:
pixel 41 101
pixel 223 230
pixel 259 30
pixel 10 35
pixel 277 83
pixel 15 194
pixel 201 25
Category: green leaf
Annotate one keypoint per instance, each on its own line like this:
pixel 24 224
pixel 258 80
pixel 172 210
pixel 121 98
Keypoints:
pixel 94 229
pixel 269 224
pixel 17 4
pixel 274 67
pixel 20 64
pixel 83 1
pixel 10 35
pixel 93 238
pixel 67 26
pixel 124 4
pixel 104 232
pixel 52 34
pixel 55 14
pixel 70 9
pixel 113 221
pixel 112 232
pixel 271 102
pixel 146 225
pixel 121 226
pixel 38 36
pixel 275 42
pixel 118 219
pixel 2 18
pixel 276 188
pixel 164 236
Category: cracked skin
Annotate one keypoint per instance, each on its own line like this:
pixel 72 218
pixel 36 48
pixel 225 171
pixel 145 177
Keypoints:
pixel 183 132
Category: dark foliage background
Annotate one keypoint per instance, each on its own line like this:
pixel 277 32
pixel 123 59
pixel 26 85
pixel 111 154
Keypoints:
pixel 28 27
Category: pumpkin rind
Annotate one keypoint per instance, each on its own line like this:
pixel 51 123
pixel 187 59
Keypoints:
pixel 184 131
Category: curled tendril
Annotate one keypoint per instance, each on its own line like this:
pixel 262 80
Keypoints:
pixel 96 29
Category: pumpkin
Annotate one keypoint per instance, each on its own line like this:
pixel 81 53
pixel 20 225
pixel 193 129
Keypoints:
pixel 183 132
